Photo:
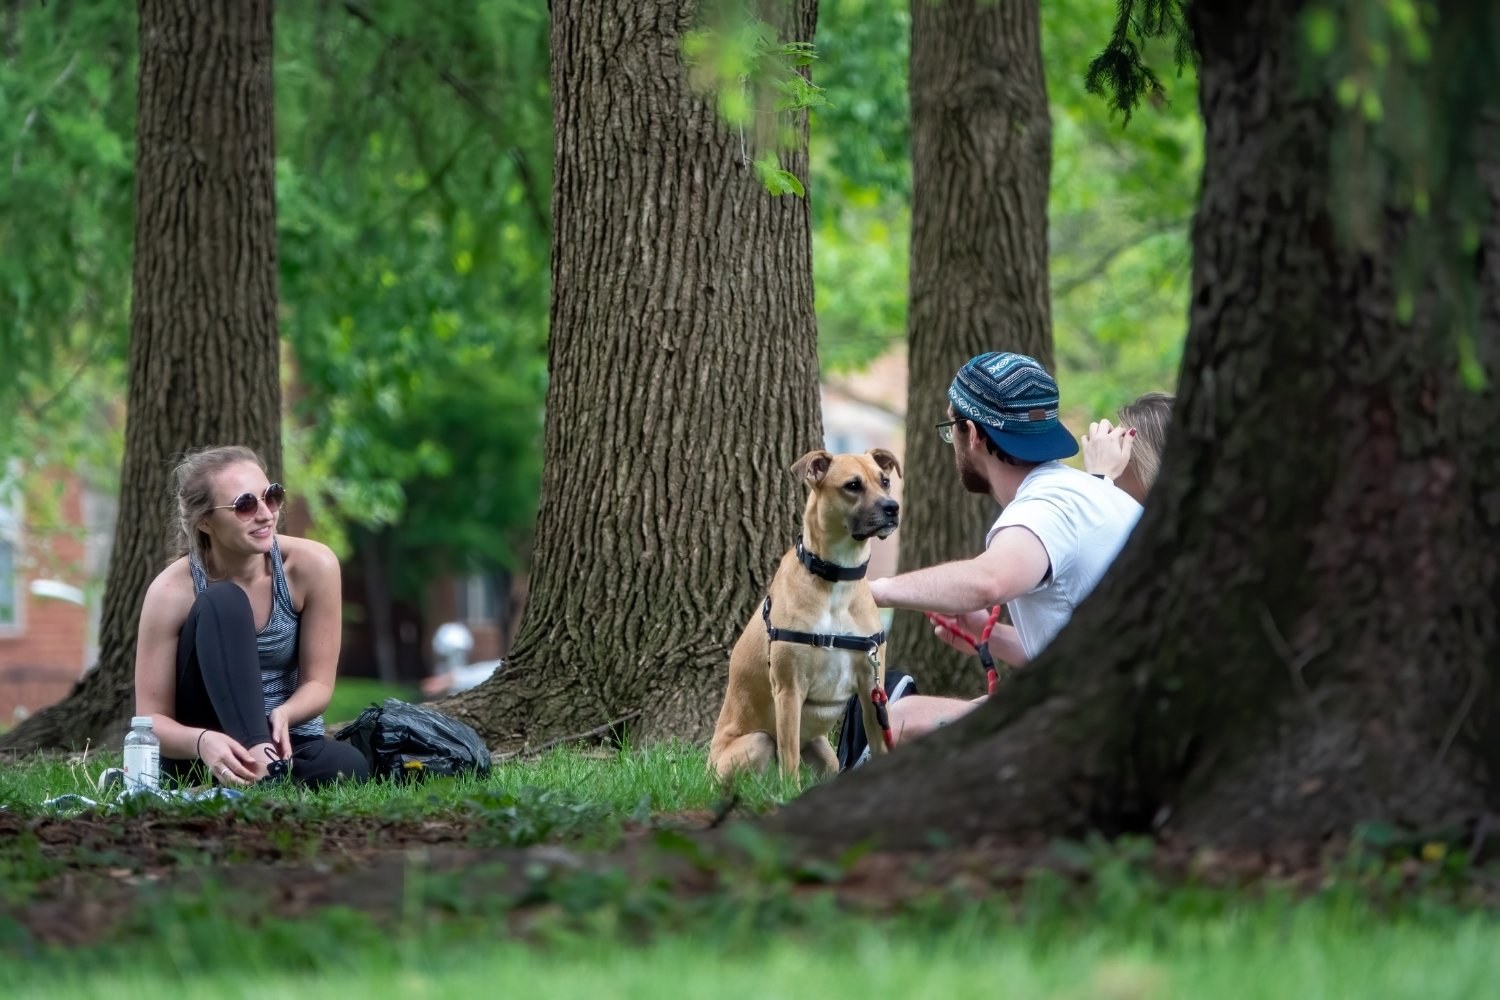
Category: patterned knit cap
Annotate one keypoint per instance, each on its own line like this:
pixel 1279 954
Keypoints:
pixel 1015 401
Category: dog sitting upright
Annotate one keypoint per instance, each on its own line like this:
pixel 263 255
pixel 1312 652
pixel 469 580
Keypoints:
pixel 816 638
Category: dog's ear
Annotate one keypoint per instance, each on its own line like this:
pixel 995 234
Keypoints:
pixel 813 466
pixel 885 460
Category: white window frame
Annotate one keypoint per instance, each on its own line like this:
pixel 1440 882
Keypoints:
pixel 10 536
pixel 472 588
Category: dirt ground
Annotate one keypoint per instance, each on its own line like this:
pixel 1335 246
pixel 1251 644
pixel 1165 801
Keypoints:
pixel 91 871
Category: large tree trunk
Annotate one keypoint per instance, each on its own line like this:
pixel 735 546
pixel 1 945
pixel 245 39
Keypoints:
pixel 683 384
pixel 204 347
pixel 981 148
pixel 1301 634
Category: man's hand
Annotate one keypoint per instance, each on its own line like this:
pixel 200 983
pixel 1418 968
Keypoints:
pixel 1106 449
pixel 973 623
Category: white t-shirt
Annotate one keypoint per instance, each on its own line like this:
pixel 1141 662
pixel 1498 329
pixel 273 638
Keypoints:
pixel 1082 521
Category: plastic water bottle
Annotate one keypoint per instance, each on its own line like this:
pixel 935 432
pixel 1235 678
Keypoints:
pixel 142 756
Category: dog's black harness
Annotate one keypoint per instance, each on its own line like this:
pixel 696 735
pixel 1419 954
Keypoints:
pixel 833 572
pixel 867 644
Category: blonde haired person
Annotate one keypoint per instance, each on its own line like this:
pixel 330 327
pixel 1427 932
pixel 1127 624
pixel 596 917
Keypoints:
pixel 1128 454
pixel 239 636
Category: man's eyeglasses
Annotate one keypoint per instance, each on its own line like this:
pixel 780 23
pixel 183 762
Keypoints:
pixel 246 504
pixel 945 429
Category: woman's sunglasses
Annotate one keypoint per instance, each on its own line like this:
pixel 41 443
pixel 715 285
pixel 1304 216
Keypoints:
pixel 246 504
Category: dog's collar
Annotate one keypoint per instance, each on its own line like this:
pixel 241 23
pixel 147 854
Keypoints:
pixel 827 570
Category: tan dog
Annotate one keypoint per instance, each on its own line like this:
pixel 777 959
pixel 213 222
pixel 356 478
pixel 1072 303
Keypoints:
pixel 785 695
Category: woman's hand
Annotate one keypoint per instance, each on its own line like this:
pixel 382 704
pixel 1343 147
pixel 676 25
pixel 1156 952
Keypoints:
pixel 227 761
pixel 1106 449
pixel 281 731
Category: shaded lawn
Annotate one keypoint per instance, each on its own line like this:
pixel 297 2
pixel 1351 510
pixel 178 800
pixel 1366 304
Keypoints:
pixel 572 875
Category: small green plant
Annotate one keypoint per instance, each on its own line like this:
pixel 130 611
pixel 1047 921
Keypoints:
pixel 760 88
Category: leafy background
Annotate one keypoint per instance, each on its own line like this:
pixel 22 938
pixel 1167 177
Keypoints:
pixel 413 179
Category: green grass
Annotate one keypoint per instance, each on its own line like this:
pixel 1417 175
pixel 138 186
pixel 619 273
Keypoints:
pixel 1271 949
pixel 666 778
pixel 760 928
pixel 353 695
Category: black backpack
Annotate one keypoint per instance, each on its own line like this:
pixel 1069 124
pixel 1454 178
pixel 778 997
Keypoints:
pixel 408 741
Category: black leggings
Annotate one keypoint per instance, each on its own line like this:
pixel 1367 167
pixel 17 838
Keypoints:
pixel 219 688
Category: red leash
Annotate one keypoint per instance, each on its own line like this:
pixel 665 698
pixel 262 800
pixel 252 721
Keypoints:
pixel 981 645
pixel 883 717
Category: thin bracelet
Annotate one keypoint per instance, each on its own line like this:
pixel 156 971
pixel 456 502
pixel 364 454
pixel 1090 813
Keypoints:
pixel 198 750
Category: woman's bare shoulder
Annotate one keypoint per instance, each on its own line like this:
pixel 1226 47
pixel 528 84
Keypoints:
pixel 172 592
pixel 306 559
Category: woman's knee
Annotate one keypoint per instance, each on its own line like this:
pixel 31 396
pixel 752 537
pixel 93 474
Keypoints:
pixel 321 761
pixel 225 598
pixel 223 608
pixel 349 762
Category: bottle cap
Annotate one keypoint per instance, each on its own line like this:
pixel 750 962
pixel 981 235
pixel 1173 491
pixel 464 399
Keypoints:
pixel 139 721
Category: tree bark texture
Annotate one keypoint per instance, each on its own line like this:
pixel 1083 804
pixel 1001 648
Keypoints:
pixel 683 385
pixel 1300 635
pixel 204 343
pixel 981 163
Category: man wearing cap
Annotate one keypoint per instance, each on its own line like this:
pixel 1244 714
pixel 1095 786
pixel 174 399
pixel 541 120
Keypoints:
pixel 1058 530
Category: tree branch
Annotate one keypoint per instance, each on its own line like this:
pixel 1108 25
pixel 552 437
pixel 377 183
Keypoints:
pixel 1101 264
pixel 475 100
pixel 36 410
pixel 30 119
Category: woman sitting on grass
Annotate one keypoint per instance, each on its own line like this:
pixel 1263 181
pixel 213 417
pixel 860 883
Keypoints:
pixel 239 636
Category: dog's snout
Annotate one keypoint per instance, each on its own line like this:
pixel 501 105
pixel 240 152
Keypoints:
pixel 889 507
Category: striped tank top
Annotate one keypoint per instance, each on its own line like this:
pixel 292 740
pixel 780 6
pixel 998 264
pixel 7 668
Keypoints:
pixel 276 644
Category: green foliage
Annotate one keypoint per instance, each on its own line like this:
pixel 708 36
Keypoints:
pixel 412 184
pixel 1122 200
pixel 859 154
pixel 1414 91
pixel 413 197
pixel 1120 203
pixel 413 181
pixel 759 83
pixel 1408 83
pixel 1122 73
pixel 532 815
pixel 67 96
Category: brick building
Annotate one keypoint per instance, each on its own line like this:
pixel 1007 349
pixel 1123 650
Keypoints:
pixel 48 556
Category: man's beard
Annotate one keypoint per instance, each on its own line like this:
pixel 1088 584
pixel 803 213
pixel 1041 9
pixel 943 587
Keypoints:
pixel 969 475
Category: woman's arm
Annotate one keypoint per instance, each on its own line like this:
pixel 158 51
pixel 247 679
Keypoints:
pixel 1106 449
pixel 162 614
pixel 169 599
pixel 317 576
